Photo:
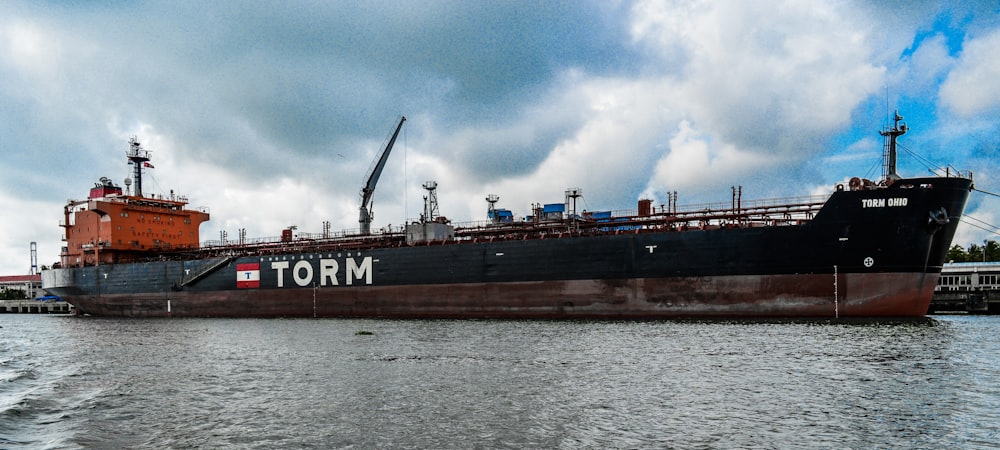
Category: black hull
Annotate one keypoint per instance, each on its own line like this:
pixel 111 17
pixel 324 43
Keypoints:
pixel 778 296
pixel 866 253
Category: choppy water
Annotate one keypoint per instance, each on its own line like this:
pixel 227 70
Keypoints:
pixel 68 382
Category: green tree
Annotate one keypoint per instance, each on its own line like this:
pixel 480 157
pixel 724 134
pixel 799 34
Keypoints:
pixel 992 251
pixel 12 294
pixel 975 253
pixel 957 254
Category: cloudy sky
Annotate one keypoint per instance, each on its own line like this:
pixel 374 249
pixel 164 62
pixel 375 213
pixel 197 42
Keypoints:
pixel 270 113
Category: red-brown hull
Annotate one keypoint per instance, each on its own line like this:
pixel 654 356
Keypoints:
pixel 785 296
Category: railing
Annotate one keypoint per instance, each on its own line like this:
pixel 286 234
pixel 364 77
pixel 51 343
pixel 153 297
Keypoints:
pixel 764 212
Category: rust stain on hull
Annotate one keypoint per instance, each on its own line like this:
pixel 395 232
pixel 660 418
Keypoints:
pixel 786 296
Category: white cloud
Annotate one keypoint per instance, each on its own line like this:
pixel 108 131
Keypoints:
pixel 32 51
pixel 24 219
pixel 695 161
pixel 928 63
pixel 755 76
pixel 608 154
pixel 972 87
pixel 865 149
pixel 760 86
pixel 757 89
pixel 44 62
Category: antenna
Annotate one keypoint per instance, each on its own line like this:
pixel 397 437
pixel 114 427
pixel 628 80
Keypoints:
pixel 138 157
pixel 889 148
pixel 491 212
pixel 572 194
pixel 886 103
pixel 430 202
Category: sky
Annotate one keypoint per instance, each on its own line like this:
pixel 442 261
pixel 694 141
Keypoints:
pixel 270 113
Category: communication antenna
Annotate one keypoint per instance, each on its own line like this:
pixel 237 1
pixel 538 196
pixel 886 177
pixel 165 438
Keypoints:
pixel 430 201
pixel 889 151
pixel 572 193
pixel 492 199
pixel 138 157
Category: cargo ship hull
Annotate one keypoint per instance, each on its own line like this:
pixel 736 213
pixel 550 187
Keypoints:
pixel 866 253
pixel 774 296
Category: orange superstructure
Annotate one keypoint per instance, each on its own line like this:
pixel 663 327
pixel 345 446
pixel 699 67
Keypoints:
pixel 114 227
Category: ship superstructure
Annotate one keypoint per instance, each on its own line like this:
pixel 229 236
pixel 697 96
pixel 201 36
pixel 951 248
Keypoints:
pixel 112 226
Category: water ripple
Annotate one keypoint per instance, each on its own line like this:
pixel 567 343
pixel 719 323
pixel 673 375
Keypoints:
pixel 69 382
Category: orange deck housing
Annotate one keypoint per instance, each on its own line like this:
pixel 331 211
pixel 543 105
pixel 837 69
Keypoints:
pixel 111 227
pixel 114 228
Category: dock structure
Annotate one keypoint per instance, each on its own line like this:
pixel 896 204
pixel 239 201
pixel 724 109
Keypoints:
pixel 29 285
pixel 969 288
pixel 33 300
pixel 34 307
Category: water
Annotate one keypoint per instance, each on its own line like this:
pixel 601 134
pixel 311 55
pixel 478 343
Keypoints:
pixel 70 382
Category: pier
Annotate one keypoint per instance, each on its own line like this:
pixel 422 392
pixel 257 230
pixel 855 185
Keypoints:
pixel 34 307
pixel 967 288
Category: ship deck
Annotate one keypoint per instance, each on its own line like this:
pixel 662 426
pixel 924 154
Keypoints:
pixel 745 214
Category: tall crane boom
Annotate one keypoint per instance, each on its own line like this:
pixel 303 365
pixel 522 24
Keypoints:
pixel 373 174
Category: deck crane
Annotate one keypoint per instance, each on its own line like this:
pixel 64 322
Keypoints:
pixel 373 174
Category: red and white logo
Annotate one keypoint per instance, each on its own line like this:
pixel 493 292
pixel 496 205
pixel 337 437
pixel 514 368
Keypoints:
pixel 248 275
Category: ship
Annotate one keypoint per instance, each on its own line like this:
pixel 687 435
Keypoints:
pixel 867 249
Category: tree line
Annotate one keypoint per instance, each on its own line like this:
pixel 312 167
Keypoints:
pixel 989 251
pixel 12 294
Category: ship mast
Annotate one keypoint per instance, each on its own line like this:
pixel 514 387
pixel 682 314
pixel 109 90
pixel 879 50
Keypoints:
pixel 138 157
pixel 889 148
